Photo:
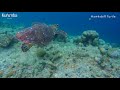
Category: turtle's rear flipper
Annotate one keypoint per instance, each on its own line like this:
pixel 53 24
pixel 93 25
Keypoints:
pixel 26 47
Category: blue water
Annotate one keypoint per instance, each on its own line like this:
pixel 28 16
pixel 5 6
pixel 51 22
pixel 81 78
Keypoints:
pixel 74 23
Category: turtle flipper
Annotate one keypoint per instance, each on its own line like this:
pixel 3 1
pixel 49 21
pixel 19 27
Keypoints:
pixel 26 47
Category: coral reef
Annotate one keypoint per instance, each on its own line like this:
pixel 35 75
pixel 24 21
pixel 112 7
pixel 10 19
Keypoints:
pixel 58 61
pixel 85 56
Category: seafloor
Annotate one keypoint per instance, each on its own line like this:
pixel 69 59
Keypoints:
pixel 70 59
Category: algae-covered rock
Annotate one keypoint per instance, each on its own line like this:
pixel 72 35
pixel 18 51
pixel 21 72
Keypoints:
pixel 114 53
pixel 103 51
pixel 56 57
pixel 81 54
pixel 91 34
pixel 53 55
pixel 76 40
pixel 6 40
pixel 40 52
pixel 11 73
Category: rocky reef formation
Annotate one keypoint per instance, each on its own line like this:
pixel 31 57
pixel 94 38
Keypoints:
pixel 7 34
pixel 6 40
pixel 89 37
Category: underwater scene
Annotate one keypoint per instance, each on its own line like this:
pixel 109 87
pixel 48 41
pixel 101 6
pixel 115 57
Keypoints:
pixel 59 45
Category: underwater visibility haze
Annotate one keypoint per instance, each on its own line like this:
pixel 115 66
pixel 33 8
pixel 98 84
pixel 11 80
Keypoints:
pixel 59 45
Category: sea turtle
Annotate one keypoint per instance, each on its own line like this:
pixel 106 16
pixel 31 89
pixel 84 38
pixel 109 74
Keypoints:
pixel 38 34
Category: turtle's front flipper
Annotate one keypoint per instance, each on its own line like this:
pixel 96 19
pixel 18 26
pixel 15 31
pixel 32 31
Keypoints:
pixel 26 47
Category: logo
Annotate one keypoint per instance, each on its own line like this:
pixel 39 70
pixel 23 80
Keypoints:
pixel 9 15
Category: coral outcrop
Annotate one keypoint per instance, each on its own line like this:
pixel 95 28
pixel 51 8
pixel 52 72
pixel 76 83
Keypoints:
pixel 89 37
